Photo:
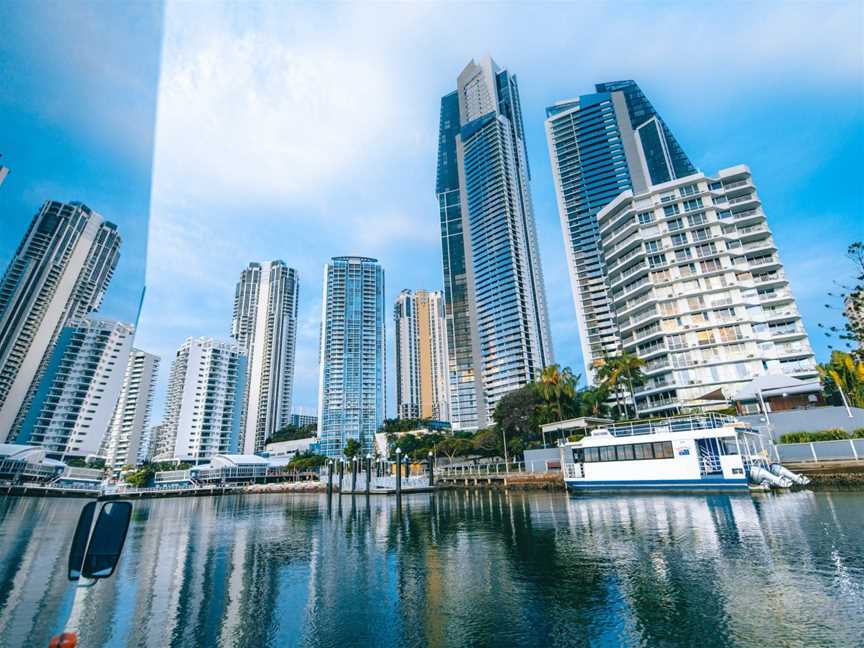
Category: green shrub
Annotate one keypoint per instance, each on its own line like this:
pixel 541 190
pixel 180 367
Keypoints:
pixel 575 438
pixel 858 434
pixel 834 434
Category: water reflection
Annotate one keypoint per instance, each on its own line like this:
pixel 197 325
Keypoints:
pixel 456 568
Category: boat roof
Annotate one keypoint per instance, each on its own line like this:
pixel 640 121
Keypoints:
pixel 673 424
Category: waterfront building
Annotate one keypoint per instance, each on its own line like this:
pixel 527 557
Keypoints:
pixel 59 273
pixel 600 145
pixel 421 355
pixel 698 290
pixel 161 443
pixel 352 385
pixel 128 439
pixel 265 327
pixel 302 420
pixel 75 401
pixel 496 317
pixel 205 400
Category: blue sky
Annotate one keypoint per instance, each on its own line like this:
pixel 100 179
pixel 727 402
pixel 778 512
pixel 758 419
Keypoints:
pixel 302 132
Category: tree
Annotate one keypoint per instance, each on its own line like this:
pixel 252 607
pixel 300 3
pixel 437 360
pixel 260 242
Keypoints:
pixel 452 447
pixel 592 402
pixel 306 462
pixel 293 433
pixel 843 372
pixel 557 387
pixel 619 375
pixel 516 413
pixel 352 448
pixel 851 297
pixel 487 442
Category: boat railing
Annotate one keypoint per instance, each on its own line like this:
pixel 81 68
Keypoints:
pixel 573 471
pixel 673 424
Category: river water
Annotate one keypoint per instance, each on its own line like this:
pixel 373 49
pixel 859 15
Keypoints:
pixel 457 568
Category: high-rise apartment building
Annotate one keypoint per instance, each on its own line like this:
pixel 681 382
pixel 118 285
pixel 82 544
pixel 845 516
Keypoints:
pixel 59 273
pixel 265 327
pixel 128 438
pixel 205 400
pixel 497 322
pixel 600 145
pixel 352 386
pixel 72 407
pixel 4 171
pixel 421 355
pixel 697 288
pixel 302 420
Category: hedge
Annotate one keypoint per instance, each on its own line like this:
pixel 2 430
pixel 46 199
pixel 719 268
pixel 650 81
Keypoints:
pixel 834 434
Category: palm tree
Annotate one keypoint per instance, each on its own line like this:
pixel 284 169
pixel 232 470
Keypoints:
pixel 619 375
pixel 556 386
pixel 847 375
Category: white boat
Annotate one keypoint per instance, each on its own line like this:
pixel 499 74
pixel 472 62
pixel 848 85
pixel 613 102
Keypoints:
pixel 696 452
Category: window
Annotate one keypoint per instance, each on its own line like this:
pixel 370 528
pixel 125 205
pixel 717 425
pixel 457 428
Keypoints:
pixel 656 260
pixel 715 186
pixel 592 454
pixel 697 219
pixel 643 451
pixel 683 255
pixel 675 225
pixel 646 217
pixel 689 190
pixel 693 204
pixel 652 246
pixel 670 210
pixel 625 453
pixel 705 337
pixel 663 450
pixel 712 265
pixel 679 239
pixel 607 453
pixel 667 198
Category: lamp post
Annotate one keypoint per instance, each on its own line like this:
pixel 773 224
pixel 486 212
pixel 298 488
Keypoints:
pixel 329 478
pixel 368 473
pixel 353 474
pixel 506 459
pixel 398 473
pixel 431 459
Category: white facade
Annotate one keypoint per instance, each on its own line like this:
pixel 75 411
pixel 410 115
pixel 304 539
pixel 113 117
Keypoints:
pixel 698 290
pixel 421 355
pixel 205 400
pixel 59 273
pixel 128 439
pixel 265 327
pixel 72 408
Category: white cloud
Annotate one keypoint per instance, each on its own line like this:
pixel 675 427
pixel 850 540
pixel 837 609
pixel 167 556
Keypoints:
pixel 301 132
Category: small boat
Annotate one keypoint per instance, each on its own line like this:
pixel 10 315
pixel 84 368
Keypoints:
pixel 701 452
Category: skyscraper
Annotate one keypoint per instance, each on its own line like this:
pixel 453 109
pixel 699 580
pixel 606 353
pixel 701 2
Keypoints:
pixel 698 290
pixel 265 327
pixel 205 400
pixel 602 144
pixel 72 407
pixel 421 355
pixel 352 386
pixel 497 324
pixel 59 273
pixel 129 435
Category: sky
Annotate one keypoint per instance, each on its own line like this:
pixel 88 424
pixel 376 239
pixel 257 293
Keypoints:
pixel 301 132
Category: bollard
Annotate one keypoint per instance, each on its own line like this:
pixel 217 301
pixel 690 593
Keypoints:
pixel 368 473
pixel 341 473
pixel 398 474
pixel 353 474
pixel 431 470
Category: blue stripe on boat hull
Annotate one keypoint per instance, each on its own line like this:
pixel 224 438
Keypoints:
pixel 670 484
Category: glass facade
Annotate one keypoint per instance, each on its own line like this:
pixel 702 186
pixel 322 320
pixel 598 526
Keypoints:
pixel 498 333
pixel 352 385
pixel 601 145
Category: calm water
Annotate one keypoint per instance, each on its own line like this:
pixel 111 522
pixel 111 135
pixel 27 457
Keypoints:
pixel 453 569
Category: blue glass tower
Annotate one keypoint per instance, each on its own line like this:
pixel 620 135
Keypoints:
pixel 497 323
pixel 603 144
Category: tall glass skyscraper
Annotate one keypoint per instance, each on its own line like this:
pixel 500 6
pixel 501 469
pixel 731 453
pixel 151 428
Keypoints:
pixel 352 385
pixel 497 322
pixel 60 272
pixel 602 144
pixel 265 327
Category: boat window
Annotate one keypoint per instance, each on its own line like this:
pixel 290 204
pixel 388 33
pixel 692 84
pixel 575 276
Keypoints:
pixel 663 450
pixel 730 447
pixel 591 454
pixel 607 453
pixel 625 453
pixel 644 451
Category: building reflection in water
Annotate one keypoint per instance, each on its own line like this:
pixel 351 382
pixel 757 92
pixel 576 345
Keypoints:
pixel 454 568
